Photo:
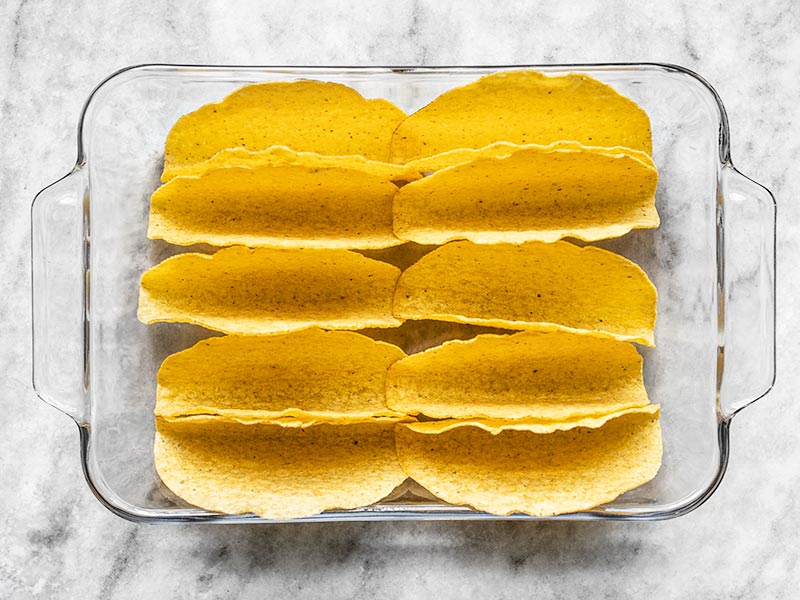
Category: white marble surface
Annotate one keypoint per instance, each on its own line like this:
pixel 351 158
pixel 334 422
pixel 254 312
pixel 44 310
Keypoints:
pixel 57 541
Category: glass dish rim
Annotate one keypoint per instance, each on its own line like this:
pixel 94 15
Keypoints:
pixel 406 512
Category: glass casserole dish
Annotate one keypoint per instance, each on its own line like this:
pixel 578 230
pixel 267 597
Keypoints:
pixel 712 261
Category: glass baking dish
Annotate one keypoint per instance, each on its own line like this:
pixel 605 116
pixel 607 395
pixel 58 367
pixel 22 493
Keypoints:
pixel 712 260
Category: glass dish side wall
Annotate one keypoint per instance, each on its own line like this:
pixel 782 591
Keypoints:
pixel 123 131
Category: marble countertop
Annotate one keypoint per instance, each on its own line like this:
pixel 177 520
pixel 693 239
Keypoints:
pixel 57 541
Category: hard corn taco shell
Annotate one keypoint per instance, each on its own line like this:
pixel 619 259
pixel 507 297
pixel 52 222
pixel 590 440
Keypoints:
pixel 304 376
pixel 553 376
pixel 276 204
pixel 276 472
pixel 523 107
pixel 537 474
pixel 541 193
pixel 243 291
pixel 307 116
pixel 533 286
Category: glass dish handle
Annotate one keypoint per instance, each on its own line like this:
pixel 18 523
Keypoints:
pixel 58 252
pixel 747 222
